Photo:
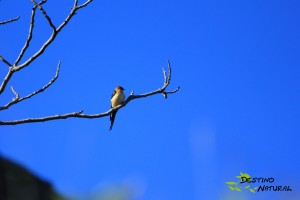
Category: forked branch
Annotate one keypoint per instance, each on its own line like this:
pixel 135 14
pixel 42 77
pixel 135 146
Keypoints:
pixel 80 114
pixel 17 98
pixel 55 31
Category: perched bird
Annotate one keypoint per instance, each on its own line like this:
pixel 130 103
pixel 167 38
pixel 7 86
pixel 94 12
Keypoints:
pixel 117 98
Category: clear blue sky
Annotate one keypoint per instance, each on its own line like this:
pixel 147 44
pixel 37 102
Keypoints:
pixel 238 110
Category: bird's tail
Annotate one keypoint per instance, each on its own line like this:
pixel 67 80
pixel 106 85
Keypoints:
pixel 112 119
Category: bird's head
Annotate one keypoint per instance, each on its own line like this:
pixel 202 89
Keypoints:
pixel 119 89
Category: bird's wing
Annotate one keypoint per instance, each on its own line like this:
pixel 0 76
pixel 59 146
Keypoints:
pixel 113 94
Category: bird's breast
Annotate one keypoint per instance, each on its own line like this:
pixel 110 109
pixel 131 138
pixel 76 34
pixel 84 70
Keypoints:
pixel 117 99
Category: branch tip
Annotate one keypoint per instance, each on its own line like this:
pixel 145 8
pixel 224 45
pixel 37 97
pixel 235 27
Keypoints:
pixel 5 61
pixel 17 96
pixel 58 69
pixel 10 20
pixel 165 75
pixel 169 72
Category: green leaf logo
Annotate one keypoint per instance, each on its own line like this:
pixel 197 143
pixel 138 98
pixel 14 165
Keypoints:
pixel 236 185
pixel 231 183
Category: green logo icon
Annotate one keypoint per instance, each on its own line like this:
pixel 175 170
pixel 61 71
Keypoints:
pixel 236 185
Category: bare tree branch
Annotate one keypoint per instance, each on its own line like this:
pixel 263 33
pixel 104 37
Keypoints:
pixel 72 13
pixel 14 68
pixel 84 4
pixel 75 3
pixel 5 61
pixel 27 42
pixel 55 31
pixel 6 79
pixel 9 21
pixel 15 93
pixel 53 35
pixel 45 14
pixel 26 45
pixel 162 90
pixel 17 98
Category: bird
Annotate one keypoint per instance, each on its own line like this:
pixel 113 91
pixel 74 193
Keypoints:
pixel 117 98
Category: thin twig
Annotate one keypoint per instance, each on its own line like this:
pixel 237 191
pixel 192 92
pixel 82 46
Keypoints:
pixel 72 13
pixel 84 4
pixel 15 93
pixel 170 92
pixel 45 14
pixel 5 61
pixel 81 115
pixel 17 99
pixel 170 72
pixel 165 75
pixel 26 45
pixel 31 27
pixel 10 20
pixel 6 79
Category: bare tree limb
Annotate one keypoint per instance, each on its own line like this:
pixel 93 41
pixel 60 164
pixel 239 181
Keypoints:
pixel 15 93
pixel 55 31
pixel 75 3
pixel 72 13
pixel 45 14
pixel 53 35
pixel 29 37
pixel 5 61
pixel 6 79
pixel 10 20
pixel 27 42
pixel 162 90
pixel 84 4
pixel 17 98
pixel 14 68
